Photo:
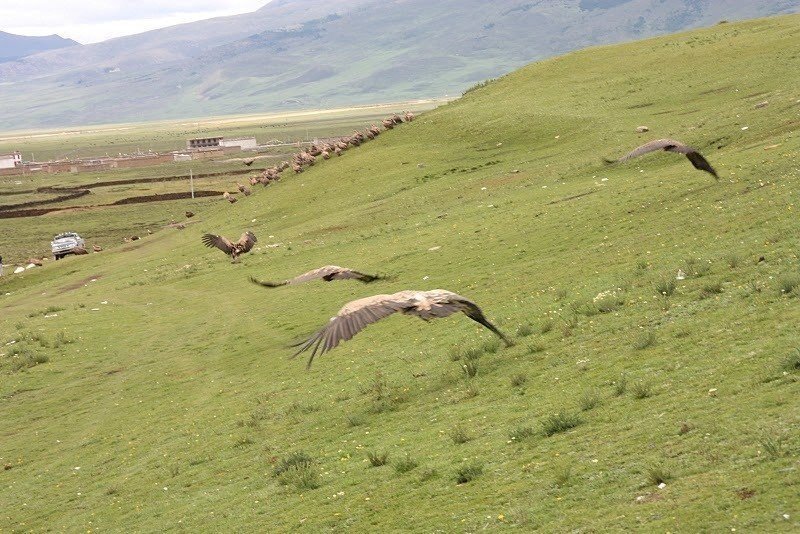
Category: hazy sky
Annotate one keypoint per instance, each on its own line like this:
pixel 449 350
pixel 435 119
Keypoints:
pixel 90 21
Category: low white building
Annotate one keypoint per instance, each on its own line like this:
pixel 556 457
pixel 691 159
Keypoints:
pixel 245 143
pixel 9 161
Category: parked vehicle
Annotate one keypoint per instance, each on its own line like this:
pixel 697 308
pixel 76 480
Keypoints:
pixel 67 243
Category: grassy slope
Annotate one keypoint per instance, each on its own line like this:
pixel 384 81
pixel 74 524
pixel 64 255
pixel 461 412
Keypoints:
pixel 175 398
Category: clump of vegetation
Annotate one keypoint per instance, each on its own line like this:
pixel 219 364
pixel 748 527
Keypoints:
pixel 789 284
pixel 666 286
pixel 21 356
pixel 733 260
pixel 696 268
pixel 620 385
pixel 459 435
pixel 658 474
pixel 772 445
pixel 524 330
pixel 405 464
pixel 589 399
pixel 377 459
pixel 709 290
pixel 477 86
pixel 465 353
pixel 520 433
pixel 546 326
pixel 561 294
pixel 355 419
pixel 427 474
pixel 569 325
pixel 518 380
pixel 535 347
pixel 298 470
pixel 644 339
pixel 641 390
pixel 491 346
pixel 641 265
pixel 470 368
pixel 792 362
pixel 468 472
pixel 562 474
pixel 560 422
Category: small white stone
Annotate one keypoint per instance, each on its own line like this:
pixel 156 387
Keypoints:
pixel 786 516
pixel 745 128
pixel 662 486
pixel 712 392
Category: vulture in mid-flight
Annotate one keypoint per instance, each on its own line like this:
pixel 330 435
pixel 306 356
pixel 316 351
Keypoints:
pixel 248 161
pixel 670 145
pixel 357 314
pixel 327 273
pixel 245 244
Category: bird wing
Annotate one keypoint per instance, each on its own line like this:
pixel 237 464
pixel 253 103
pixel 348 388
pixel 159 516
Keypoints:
pixel 699 162
pixel 349 274
pixel 653 146
pixel 222 243
pixel 350 320
pixel 247 241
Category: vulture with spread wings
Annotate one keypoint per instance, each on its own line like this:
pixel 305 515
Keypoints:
pixel 245 244
pixel 248 161
pixel 327 273
pixel 670 145
pixel 357 314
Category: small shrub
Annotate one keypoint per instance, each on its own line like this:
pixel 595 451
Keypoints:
pixel 518 380
pixel 470 368
pixel 560 422
pixel 459 435
pixel 792 362
pixel 773 445
pixel 112 490
pixel 295 460
pixel 561 294
pixel 535 347
pixel 377 459
pixel 589 399
pixel 174 470
pixel 569 325
pixel 546 326
pixel 406 464
pixel 562 474
pixel 666 286
pixel 789 284
pixel 62 338
pixel 658 474
pixel 609 303
pixel 355 419
pixel 471 390
pixel 696 268
pixel 520 433
pixel 644 339
pixel 243 441
pixel 709 290
pixel 427 474
pixel 641 390
pixel 468 472
pixel 733 260
pixel 524 330
pixel 641 265
pixel 620 385
pixel 491 346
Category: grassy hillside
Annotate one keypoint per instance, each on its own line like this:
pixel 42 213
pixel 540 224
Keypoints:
pixel 156 393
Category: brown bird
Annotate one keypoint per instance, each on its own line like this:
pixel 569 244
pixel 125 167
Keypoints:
pixel 248 161
pixel 356 315
pixel 245 244
pixel 670 145
pixel 230 198
pixel 244 189
pixel 327 273
pixel 189 214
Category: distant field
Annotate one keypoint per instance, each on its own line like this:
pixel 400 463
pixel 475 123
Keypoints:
pixel 108 225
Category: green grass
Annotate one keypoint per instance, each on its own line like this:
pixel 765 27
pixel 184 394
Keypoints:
pixel 158 380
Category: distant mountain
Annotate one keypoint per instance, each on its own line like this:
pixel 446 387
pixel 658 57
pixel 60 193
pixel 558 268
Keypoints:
pixel 316 53
pixel 18 46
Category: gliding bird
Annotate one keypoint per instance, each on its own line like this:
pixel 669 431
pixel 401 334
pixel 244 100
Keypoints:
pixel 670 145
pixel 357 314
pixel 327 273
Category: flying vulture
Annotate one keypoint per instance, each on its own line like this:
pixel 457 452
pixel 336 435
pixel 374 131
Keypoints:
pixel 357 314
pixel 327 273
pixel 245 244
pixel 670 145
